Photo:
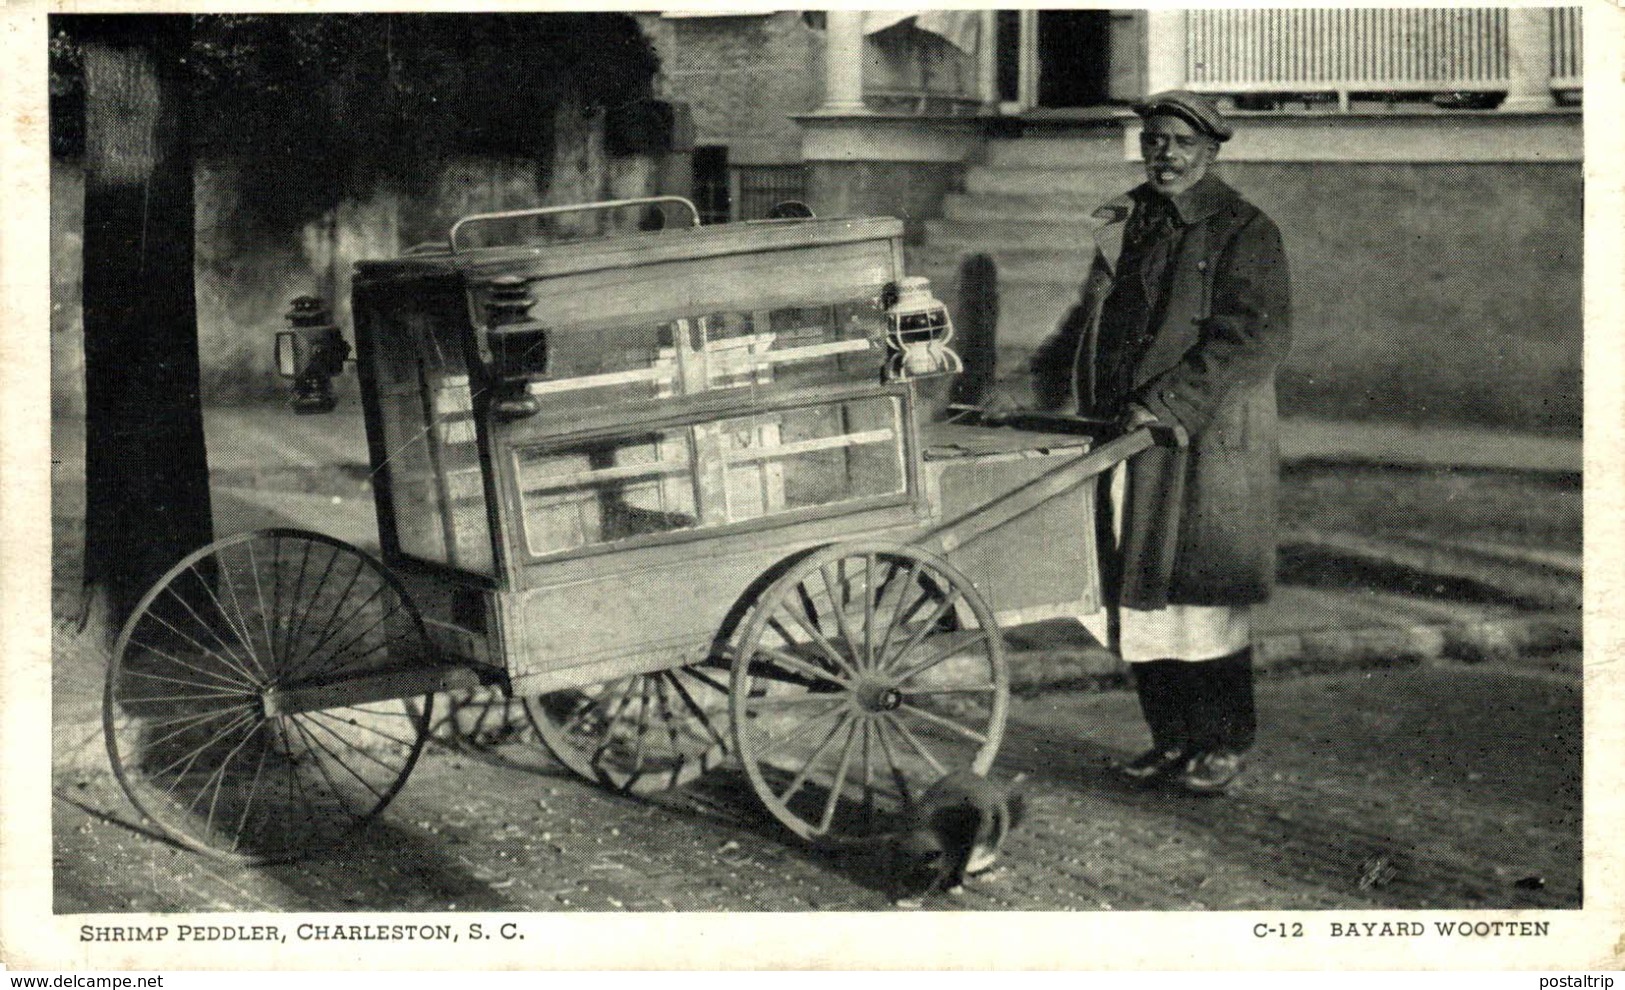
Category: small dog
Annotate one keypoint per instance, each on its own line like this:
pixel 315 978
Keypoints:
pixel 955 831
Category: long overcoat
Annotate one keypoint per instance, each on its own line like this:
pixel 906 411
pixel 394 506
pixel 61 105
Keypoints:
pixel 1199 524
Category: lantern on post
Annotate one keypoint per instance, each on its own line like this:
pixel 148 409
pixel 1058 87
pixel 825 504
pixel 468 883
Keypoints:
pixel 516 347
pixel 918 330
pixel 310 352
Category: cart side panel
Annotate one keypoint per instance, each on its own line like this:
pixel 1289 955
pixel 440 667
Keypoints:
pixel 1041 564
pixel 651 608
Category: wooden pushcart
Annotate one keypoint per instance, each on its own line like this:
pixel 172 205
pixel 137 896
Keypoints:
pixel 673 489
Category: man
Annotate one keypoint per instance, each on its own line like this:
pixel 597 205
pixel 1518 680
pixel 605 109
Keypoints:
pixel 1184 319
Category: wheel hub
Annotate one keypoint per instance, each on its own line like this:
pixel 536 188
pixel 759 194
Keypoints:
pixel 879 696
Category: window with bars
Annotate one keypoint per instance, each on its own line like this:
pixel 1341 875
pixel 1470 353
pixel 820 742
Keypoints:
pixel 761 187
pixel 711 193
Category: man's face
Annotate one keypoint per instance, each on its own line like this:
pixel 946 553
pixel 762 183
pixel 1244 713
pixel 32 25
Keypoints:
pixel 1176 154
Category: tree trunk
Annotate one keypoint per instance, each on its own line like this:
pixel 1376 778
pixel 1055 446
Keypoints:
pixel 146 469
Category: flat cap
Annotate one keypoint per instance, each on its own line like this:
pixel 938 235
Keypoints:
pixel 1193 108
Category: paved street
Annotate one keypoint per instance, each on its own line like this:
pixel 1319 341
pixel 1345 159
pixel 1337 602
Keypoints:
pixel 1392 777
pixel 1434 785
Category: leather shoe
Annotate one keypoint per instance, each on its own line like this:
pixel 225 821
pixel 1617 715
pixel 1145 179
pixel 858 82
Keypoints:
pixel 1210 773
pixel 1154 764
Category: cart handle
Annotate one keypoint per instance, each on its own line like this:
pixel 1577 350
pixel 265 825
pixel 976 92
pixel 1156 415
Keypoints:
pixel 610 204
pixel 955 533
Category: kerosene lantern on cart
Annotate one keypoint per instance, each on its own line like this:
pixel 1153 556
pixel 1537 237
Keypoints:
pixel 918 329
pixel 311 351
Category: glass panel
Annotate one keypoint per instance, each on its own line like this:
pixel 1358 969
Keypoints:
pixel 436 482
pixel 816 456
pixel 597 366
pixel 606 490
pixel 793 345
pixel 287 361
pixel 608 366
pixel 415 497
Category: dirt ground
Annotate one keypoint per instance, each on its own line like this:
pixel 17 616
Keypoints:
pixel 1436 786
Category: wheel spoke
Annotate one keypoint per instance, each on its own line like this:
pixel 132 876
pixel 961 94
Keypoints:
pixel 212 674
pixel 868 774
pixel 154 616
pixel 207 627
pixel 310 744
pixel 642 726
pixel 276 595
pixel 946 723
pixel 909 581
pixel 327 631
pixel 925 629
pixel 612 714
pixel 840 616
pixel 919 747
pixel 312 600
pixel 840 775
pixel 668 717
pixel 353 659
pixel 191 757
pixel 818 638
pixel 362 750
pixel 287 619
pixel 253 792
pixel 218 777
pixel 774 745
pixel 356 724
pixel 868 620
pixel 241 623
pixel 296 779
pixel 898 777
pixel 259 595
pixel 694 708
pixel 311 736
pixel 175 680
pixel 956 645
pixel 800 779
pixel 802 667
pixel 313 655
pixel 193 718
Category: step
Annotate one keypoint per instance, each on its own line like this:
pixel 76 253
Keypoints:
pixel 1015 264
pixel 1103 182
pixel 1053 208
pixel 1002 234
pixel 1029 311
pixel 1029 152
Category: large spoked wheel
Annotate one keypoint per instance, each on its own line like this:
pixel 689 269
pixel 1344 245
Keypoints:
pixel 225 705
pixel 642 734
pixel 862 675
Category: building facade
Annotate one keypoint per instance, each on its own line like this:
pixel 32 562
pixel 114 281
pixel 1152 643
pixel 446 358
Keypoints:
pixel 1425 165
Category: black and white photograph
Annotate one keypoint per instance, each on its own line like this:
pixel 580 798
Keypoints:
pixel 831 471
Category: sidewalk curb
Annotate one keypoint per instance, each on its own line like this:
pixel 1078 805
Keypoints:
pixel 1328 650
pixel 78 747
pixel 1528 576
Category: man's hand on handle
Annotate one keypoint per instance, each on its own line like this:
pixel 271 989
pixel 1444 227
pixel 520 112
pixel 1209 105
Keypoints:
pixel 1163 434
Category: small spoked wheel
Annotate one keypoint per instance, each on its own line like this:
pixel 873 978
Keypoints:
pixel 641 734
pixel 862 675
pixel 229 709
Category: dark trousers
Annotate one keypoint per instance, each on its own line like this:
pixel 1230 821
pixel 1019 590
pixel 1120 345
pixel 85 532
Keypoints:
pixel 1199 706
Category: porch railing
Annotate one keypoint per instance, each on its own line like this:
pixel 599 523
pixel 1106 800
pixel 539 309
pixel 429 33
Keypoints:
pixel 1566 47
pixel 1365 50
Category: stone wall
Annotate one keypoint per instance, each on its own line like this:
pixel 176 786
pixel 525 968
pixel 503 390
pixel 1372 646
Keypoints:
pixel 247 274
pixel 1431 292
pixel 743 79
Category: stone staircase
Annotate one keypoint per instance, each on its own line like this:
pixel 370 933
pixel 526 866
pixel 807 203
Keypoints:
pixel 1028 207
